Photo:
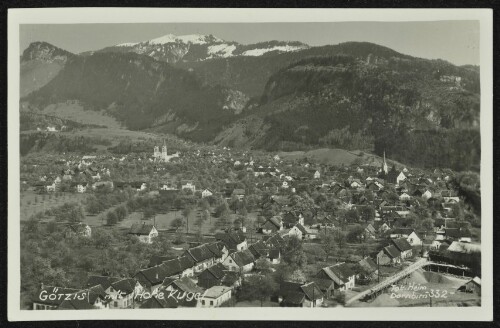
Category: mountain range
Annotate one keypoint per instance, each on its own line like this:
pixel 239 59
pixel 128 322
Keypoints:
pixel 196 47
pixel 271 95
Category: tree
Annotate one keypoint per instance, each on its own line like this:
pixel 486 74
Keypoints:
pixel 355 234
pixel 341 237
pixel 328 244
pixel 258 287
pixel 92 205
pixel 199 223
pixel 222 209
pixel 111 218
pixel 121 212
pixel 297 276
pixel 179 238
pixel 427 224
pixel 101 238
pixel 367 213
pixel 352 215
pixel 148 213
pixel 234 204
pixel 294 253
pixel 263 265
pixel 177 223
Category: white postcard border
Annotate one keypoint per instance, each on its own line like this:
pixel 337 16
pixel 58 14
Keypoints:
pixel 207 15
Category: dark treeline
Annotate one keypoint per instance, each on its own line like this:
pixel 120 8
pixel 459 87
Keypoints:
pixel 456 149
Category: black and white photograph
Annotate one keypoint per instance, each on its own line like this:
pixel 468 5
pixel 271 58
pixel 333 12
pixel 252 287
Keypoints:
pixel 176 164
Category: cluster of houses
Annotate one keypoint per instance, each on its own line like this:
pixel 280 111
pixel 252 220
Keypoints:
pixel 210 272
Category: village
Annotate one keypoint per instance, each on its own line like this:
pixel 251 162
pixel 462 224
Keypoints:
pixel 217 227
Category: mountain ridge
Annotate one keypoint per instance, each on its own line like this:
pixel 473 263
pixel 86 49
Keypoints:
pixel 198 47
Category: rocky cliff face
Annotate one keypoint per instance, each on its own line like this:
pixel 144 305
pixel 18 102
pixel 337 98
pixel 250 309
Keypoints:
pixel 45 52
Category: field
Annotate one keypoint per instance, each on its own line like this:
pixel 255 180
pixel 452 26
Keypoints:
pixel 76 113
pixel 163 221
pixel 32 202
pixel 336 157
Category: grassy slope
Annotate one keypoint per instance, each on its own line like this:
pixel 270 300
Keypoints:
pixel 75 112
pixel 336 157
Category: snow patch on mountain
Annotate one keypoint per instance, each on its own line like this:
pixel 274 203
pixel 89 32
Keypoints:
pixel 261 51
pixel 190 38
pixel 127 44
pixel 221 50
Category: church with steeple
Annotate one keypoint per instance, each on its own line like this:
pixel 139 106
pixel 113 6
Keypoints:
pixel 163 155
pixel 393 176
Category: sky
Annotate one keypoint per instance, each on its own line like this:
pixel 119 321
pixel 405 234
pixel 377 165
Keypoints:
pixel 454 41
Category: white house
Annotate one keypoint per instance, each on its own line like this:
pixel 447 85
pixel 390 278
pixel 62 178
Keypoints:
pixel 78 229
pixel 241 261
pixel 80 188
pixel 206 193
pixel 51 188
pixel 426 195
pixel 298 231
pixel 122 293
pixel 188 185
pixel 145 232
pixel 317 175
pixel 214 297
pixel 404 196
pixel 413 239
pixel 400 178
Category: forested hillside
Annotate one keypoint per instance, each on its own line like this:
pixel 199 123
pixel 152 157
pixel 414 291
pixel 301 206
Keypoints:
pixel 142 93
pixel 411 108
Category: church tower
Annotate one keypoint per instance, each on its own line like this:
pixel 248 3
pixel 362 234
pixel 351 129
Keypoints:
pixel 156 152
pixel 164 154
pixel 384 167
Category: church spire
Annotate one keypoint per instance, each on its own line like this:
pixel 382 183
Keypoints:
pixel 384 167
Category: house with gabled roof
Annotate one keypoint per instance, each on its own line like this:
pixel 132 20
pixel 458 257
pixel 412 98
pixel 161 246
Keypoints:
pixel 370 231
pixel 296 294
pixel 342 276
pixel 272 225
pixel 259 249
pixel 275 241
pixel 206 193
pixel 86 299
pixel 151 278
pixel 211 276
pixel 104 281
pixel 241 261
pixel 291 218
pixel 156 302
pixel 123 294
pixel 145 232
pixel 233 240
pixel 472 286
pixel 184 286
pixel 367 269
pixel 78 229
pixel 215 296
pixel 219 250
pixel 298 231
pixel 202 257
pixel 403 247
pixel 393 254
pixel 159 259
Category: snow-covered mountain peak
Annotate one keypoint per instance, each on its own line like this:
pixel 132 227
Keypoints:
pixel 189 38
